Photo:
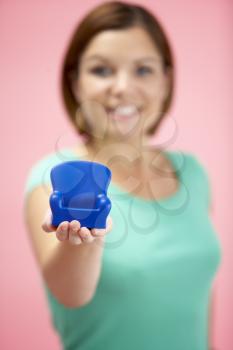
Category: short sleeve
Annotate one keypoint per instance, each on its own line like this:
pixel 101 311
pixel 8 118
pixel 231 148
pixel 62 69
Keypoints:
pixel 39 173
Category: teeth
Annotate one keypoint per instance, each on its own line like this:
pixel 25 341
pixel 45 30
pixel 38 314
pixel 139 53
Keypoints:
pixel 125 110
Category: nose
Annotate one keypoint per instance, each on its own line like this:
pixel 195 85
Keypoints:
pixel 121 83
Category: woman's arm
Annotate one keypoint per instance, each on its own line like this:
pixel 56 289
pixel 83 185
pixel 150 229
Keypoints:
pixel 70 271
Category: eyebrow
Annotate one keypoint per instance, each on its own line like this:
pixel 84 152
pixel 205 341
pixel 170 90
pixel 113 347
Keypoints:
pixel 94 57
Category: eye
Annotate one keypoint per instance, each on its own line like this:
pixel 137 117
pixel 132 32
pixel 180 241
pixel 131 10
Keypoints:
pixel 144 70
pixel 101 70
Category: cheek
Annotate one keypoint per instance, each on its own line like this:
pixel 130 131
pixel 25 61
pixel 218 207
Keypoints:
pixel 153 102
pixel 151 90
pixel 92 87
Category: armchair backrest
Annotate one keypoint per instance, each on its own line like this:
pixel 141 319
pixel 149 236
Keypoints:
pixel 80 182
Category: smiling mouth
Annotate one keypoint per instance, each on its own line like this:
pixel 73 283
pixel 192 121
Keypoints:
pixel 123 113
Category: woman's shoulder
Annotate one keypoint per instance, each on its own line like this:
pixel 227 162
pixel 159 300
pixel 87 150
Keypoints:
pixel 187 160
pixel 197 165
pixel 39 172
pixel 195 171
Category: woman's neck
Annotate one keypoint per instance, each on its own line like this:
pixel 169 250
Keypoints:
pixel 110 151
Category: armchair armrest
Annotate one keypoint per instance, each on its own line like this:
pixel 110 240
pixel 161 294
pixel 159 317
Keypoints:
pixel 102 201
pixel 56 200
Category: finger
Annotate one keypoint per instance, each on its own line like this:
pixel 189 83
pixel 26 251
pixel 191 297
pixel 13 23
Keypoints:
pixel 109 224
pixel 73 232
pixel 96 232
pixel 46 225
pixel 85 235
pixel 101 232
pixel 62 231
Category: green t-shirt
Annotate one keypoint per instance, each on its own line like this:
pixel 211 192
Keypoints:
pixel 158 267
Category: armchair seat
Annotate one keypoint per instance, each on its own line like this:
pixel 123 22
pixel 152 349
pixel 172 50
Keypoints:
pixel 80 193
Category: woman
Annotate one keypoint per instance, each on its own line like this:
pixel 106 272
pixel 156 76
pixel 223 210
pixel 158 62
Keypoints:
pixel 145 281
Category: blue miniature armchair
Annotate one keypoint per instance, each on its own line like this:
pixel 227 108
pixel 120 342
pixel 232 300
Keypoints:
pixel 80 193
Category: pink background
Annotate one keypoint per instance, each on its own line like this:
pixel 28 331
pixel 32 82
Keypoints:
pixel 33 35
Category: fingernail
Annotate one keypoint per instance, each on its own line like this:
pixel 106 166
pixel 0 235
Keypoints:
pixel 62 237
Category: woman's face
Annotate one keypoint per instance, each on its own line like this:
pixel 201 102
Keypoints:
pixel 121 85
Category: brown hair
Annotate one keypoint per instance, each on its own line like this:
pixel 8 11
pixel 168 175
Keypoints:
pixel 107 16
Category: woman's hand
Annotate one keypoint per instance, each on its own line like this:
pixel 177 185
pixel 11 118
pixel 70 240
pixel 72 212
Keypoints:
pixel 73 232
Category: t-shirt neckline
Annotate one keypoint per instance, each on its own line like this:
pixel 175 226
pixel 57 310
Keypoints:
pixel 122 193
